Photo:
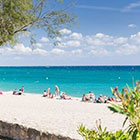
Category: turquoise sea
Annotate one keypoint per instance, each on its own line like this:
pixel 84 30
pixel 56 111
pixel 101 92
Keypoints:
pixel 74 80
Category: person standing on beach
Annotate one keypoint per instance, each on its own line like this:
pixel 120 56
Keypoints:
pixel 56 91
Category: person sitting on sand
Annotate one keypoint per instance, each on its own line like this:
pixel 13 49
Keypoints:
pixel 64 96
pixel 56 91
pixel 22 89
pixel 44 93
pixel 111 99
pixel 20 92
pixel 84 98
pixel 101 99
pixel 15 92
pixel 90 97
pixel 50 95
pixel 1 93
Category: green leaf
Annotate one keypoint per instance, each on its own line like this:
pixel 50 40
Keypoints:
pixel 134 136
pixel 125 121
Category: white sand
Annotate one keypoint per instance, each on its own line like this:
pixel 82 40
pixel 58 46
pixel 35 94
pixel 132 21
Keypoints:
pixel 56 116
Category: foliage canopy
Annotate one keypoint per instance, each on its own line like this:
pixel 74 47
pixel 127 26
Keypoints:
pixel 18 16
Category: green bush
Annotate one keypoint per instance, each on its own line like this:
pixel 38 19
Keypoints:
pixel 100 134
pixel 130 107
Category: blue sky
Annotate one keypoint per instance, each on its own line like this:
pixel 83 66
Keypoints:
pixel 108 34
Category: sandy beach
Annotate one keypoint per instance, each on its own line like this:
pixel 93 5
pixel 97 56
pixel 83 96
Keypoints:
pixel 54 115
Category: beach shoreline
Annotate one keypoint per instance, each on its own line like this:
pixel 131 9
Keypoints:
pixel 56 116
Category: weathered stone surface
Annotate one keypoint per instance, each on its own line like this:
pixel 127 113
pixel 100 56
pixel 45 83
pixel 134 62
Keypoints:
pixel 19 132
pixel 33 134
pixel 44 136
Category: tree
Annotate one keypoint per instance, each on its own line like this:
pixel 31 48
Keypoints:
pixel 17 16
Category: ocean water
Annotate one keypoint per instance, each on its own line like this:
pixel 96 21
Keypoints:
pixel 75 81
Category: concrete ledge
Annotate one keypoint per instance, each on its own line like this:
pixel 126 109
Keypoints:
pixel 19 132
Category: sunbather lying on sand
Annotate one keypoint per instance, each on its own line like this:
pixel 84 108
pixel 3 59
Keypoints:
pixel 17 93
pixel 65 96
pixel 50 95
pixel 101 99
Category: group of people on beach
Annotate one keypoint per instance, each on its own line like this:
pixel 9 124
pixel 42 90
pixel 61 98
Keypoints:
pixel 90 97
pixel 20 92
pixel 15 92
pixel 62 95
pixel 48 94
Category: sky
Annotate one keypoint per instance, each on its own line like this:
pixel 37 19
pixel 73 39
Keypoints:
pixel 107 33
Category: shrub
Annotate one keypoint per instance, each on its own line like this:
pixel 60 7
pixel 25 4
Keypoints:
pixel 102 134
pixel 130 107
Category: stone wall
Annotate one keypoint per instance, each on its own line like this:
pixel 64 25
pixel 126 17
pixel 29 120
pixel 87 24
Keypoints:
pixel 19 132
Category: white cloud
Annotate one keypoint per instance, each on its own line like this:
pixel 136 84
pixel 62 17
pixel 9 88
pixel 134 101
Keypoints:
pixel 135 39
pixel 99 52
pixel 38 44
pixel 132 26
pixel 78 51
pixel 120 40
pixel 44 39
pixel 21 49
pixel 98 8
pixel 65 31
pixel 76 36
pixel 57 51
pixel 128 49
pixel 102 44
pixel 100 40
pixel 99 35
pixel 72 43
pixel 58 39
pixel 39 51
pixel 99 45
pixel 131 6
